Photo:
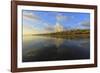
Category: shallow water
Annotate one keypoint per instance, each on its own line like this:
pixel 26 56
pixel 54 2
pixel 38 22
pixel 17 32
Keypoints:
pixel 42 48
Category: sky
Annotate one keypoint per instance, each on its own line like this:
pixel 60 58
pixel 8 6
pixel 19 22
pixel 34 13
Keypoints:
pixel 37 22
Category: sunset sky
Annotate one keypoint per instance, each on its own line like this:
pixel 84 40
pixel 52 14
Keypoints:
pixel 36 22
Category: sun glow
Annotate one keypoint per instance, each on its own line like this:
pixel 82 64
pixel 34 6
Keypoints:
pixel 29 31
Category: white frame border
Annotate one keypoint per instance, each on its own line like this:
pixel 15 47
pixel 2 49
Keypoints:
pixel 52 63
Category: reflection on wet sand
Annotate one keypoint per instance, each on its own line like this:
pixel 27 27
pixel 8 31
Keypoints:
pixel 40 48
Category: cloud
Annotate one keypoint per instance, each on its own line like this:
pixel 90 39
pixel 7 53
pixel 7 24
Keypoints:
pixel 48 27
pixel 85 23
pixel 61 17
pixel 30 16
pixel 30 19
pixel 29 30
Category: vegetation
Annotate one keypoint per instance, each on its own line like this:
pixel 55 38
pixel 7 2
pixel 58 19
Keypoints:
pixel 68 34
